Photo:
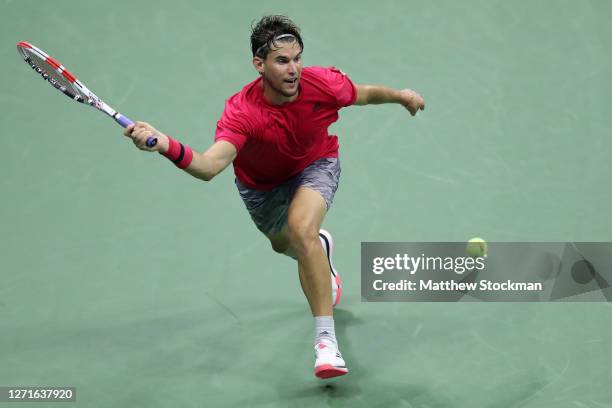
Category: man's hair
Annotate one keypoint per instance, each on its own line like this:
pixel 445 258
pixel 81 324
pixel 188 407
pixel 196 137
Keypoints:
pixel 272 30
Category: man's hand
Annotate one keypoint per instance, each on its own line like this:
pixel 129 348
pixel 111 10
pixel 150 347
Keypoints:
pixel 412 101
pixel 139 132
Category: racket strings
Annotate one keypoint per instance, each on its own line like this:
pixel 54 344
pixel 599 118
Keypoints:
pixel 50 74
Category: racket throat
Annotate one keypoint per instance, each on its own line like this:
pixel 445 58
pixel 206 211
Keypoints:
pixel 104 108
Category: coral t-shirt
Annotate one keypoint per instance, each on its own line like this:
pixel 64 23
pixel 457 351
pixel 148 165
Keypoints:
pixel 276 142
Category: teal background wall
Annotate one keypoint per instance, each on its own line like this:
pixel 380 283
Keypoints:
pixel 144 287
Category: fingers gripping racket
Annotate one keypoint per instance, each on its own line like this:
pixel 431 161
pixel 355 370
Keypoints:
pixel 64 81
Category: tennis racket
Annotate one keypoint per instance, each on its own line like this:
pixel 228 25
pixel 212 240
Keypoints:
pixel 64 81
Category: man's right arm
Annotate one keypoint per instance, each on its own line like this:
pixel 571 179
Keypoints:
pixel 213 161
pixel 204 166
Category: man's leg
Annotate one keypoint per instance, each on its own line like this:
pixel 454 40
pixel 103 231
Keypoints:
pixel 304 219
pixel 280 244
pixel 298 212
pixel 300 239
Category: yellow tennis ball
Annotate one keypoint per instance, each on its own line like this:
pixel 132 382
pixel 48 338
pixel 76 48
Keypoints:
pixel 476 247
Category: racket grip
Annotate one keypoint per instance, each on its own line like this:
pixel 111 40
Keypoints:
pixel 125 122
pixel 122 120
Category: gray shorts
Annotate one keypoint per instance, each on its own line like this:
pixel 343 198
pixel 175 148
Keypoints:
pixel 268 209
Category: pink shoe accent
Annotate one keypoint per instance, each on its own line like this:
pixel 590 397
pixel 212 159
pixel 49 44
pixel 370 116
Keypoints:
pixel 321 346
pixel 339 290
pixel 329 371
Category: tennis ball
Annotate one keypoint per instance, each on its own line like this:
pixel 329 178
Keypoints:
pixel 476 247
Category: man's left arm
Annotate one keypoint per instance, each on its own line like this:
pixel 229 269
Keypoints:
pixel 375 94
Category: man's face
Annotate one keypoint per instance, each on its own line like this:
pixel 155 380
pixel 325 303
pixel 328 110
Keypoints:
pixel 281 71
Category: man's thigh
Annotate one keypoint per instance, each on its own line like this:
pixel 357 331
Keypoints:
pixel 269 210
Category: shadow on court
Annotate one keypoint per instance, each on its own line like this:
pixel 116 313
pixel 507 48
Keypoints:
pixel 361 387
pixel 367 393
pixel 374 386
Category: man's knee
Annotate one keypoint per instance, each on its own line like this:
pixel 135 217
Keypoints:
pixel 302 234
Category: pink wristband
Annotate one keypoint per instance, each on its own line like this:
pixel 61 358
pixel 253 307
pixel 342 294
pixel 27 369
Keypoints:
pixel 179 154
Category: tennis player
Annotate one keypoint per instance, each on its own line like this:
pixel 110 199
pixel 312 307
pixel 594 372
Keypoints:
pixel 275 132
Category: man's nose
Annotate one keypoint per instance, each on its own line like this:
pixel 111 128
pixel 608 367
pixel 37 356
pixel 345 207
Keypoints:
pixel 292 67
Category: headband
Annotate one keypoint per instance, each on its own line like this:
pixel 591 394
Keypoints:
pixel 278 37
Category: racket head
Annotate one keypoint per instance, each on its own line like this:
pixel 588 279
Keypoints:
pixel 55 74
pixel 64 81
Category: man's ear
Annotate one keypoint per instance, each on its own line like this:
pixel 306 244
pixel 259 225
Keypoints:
pixel 258 64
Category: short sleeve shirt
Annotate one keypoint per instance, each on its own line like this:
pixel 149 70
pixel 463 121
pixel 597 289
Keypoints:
pixel 276 142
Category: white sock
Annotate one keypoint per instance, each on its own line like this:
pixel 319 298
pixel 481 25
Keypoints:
pixel 324 328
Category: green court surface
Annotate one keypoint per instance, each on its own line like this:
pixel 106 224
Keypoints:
pixel 144 287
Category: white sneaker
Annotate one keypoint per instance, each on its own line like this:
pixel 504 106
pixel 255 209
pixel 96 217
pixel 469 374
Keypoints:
pixel 329 362
pixel 328 245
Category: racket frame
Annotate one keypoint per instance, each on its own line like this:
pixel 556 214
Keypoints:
pixel 78 91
